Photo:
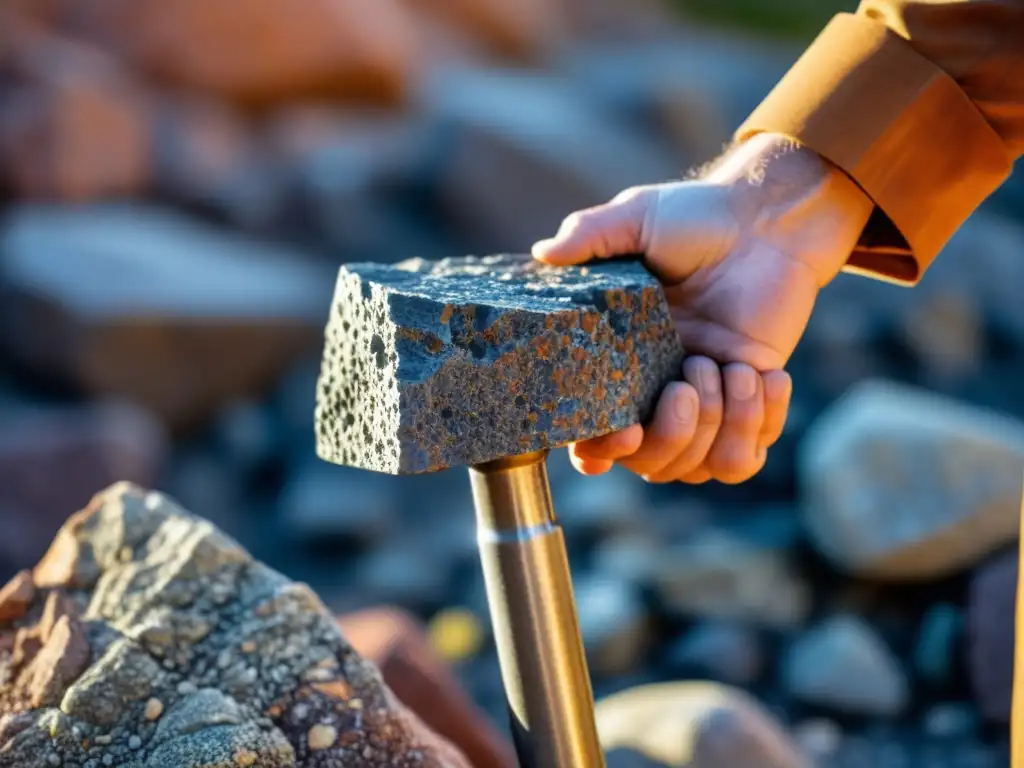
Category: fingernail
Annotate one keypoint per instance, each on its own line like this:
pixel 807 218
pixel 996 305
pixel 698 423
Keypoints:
pixel 683 408
pixel 743 384
pixel 709 380
pixel 541 247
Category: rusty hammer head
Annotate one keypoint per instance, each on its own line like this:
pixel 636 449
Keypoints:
pixel 429 365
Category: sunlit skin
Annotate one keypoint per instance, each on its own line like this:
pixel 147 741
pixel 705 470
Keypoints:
pixel 742 252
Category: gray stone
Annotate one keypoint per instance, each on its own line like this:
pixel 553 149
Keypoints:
pixel 991 608
pixel 950 720
pixel 717 575
pixel 238 663
pixel 430 365
pixel 692 725
pixel 613 623
pixel 933 653
pixel 614 502
pixel 322 502
pixel 729 653
pixel 526 149
pixel 901 484
pixel 843 664
pixel 819 738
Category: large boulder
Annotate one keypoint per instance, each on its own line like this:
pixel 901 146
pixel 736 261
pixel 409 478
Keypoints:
pixel 151 306
pixel 145 637
pixel 264 50
pixel 902 484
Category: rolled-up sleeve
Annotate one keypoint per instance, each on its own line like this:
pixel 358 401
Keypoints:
pixel 922 104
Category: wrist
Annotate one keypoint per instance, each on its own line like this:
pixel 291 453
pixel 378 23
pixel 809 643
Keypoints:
pixel 788 194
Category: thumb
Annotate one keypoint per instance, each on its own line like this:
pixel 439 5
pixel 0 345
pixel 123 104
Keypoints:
pixel 613 229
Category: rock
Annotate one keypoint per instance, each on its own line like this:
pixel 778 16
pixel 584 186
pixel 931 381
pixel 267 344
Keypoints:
pixel 86 447
pixel 402 572
pixel 540 136
pixel 936 643
pixel 614 623
pixel 991 608
pixel 349 174
pixel 950 721
pixel 322 503
pixel 692 725
pixel 717 575
pixel 843 665
pixel 246 432
pixel 690 88
pixel 243 662
pixel 267 53
pixel 946 333
pixel 631 557
pixel 554 355
pixel 728 653
pixel 526 30
pixel 74 127
pixel 609 504
pixel 400 646
pixel 145 304
pixel 205 156
pixel 901 484
pixel 201 480
pixel 820 739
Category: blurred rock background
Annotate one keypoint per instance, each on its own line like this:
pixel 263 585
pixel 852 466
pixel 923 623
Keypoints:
pixel 180 182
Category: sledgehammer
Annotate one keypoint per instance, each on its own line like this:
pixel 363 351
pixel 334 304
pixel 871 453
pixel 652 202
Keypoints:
pixel 489 363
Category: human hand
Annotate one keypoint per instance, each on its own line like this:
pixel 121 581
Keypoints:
pixel 742 252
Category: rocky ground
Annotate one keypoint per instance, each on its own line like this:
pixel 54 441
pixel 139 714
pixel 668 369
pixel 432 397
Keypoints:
pixel 166 330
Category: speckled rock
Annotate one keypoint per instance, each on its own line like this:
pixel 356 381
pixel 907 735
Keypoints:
pixel 902 484
pixel 151 640
pixel 692 725
pixel 430 365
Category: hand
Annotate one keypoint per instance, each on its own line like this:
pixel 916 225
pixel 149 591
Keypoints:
pixel 743 253
pixel 717 423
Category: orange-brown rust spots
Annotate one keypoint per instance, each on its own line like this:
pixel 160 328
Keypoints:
pixel 615 376
pixel 589 323
pixel 336 689
pixel 446 314
pixel 532 418
pixel 601 393
pixel 550 406
pixel 434 344
pixel 349 738
pixel 542 347
pixel 274 711
pixel 579 354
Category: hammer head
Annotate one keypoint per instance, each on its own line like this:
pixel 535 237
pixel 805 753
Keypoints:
pixel 429 365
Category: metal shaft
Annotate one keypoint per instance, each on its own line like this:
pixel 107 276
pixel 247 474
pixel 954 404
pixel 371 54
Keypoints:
pixel 533 610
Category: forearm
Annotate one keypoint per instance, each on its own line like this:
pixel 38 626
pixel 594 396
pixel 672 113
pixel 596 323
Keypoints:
pixel 922 104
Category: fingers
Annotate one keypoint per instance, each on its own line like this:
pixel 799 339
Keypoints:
pixel 595 457
pixel 716 424
pixel 669 433
pixel 703 374
pixel 737 455
pixel 612 229
pixel 778 391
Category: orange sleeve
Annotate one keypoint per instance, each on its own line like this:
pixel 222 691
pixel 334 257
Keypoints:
pixel 921 102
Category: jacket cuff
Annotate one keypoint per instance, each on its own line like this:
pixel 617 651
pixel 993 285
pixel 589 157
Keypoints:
pixel 901 128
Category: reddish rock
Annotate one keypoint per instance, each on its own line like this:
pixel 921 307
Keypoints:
pixel 86 448
pixel 16 596
pixel 74 126
pixel 263 51
pixel 398 644
pixel 990 636
pixel 526 29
